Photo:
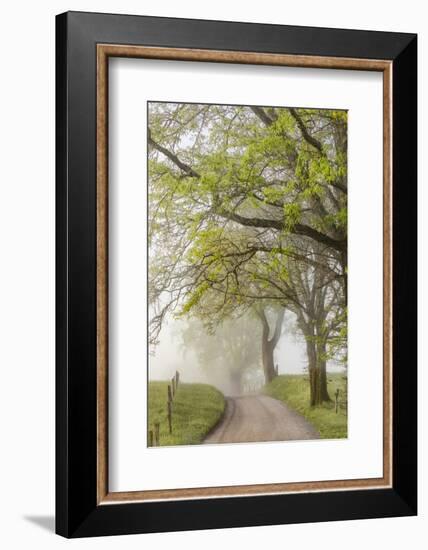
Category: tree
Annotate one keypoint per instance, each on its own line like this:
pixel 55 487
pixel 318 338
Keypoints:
pixel 269 342
pixel 231 348
pixel 237 194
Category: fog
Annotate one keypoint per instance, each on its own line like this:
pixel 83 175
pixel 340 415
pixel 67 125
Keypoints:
pixel 171 355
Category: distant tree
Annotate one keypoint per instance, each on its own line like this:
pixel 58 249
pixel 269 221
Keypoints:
pixel 232 349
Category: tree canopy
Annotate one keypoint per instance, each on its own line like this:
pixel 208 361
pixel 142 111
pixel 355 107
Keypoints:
pixel 247 211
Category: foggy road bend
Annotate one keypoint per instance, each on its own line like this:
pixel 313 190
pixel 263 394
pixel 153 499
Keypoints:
pixel 260 418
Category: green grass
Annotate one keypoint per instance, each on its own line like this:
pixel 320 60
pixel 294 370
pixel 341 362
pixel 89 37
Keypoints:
pixel 196 409
pixel 293 389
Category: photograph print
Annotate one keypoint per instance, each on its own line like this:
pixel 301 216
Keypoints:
pixel 247 274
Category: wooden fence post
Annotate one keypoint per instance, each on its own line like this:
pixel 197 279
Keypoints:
pixel 169 393
pixel 151 438
pixel 173 385
pixel 337 399
pixel 169 409
pixel 157 429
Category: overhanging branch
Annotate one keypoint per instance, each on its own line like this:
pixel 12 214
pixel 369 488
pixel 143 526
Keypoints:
pixel 305 133
pixel 172 157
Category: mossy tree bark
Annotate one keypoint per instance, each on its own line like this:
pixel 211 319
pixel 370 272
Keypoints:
pixel 317 364
pixel 269 344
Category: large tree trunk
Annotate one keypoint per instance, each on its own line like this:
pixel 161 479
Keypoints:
pixel 267 359
pixel 344 262
pixel 312 370
pixel 317 367
pixel 322 373
pixel 269 344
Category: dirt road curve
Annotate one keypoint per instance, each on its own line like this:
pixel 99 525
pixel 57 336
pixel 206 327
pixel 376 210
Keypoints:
pixel 260 418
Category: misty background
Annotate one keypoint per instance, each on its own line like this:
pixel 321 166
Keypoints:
pixel 171 355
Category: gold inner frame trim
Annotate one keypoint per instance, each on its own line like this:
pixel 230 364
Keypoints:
pixel 104 51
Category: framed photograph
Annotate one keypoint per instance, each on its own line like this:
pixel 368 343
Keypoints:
pixel 236 274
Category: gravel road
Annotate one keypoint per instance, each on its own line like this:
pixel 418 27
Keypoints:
pixel 260 418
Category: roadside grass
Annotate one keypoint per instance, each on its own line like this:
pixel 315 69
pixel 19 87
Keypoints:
pixel 196 409
pixel 293 389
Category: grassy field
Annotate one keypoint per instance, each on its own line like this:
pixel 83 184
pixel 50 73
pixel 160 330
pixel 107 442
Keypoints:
pixel 196 409
pixel 293 389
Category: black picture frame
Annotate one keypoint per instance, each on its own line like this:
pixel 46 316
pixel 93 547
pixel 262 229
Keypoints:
pixel 77 512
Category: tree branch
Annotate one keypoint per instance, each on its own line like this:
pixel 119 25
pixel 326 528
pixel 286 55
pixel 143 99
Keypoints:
pixel 298 229
pixel 184 167
pixel 340 186
pixel 306 135
pixel 263 116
